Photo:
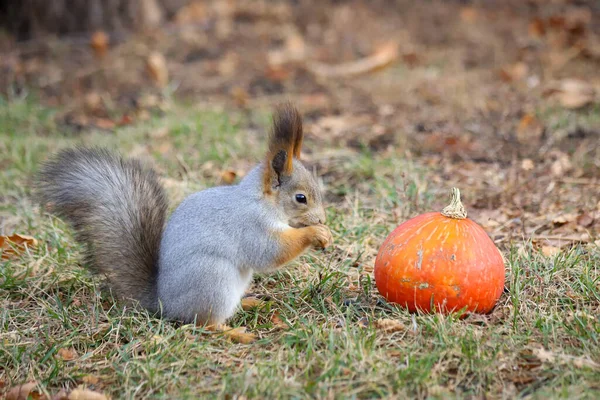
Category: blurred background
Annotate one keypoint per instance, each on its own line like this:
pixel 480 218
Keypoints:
pixel 501 95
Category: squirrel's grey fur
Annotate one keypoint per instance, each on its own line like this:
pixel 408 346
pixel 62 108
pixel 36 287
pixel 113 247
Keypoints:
pixel 199 265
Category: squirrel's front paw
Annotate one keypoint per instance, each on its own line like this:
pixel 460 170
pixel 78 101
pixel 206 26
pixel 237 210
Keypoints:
pixel 322 237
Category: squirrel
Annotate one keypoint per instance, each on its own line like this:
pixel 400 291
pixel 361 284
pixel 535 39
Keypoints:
pixel 198 265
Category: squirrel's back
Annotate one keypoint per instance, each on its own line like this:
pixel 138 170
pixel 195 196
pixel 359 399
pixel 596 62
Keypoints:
pixel 117 208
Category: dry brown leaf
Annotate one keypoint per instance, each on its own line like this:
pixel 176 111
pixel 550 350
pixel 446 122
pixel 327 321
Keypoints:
pixel 228 64
pixel 251 302
pixel 352 287
pixel 62 395
pixel 294 51
pixel 93 102
pixel 530 129
pixel 514 72
pixel 586 220
pixel 228 176
pixel 564 218
pixel 195 12
pixel 99 43
pixel 86 394
pixel 67 354
pixel 527 164
pixel 363 322
pixel 149 14
pixel 276 320
pixel 536 28
pixel 551 357
pixel 469 14
pixel 561 165
pixel 157 68
pixel 90 380
pixel 550 251
pixel 382 57
pixel 15 244
pixel 389 325
pixel 25 392
pixel 105 123
pixel 240 96
pixel 575 93
pixel 165 148
pixel 239 335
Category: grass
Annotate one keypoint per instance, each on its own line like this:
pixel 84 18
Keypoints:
pixel 57 326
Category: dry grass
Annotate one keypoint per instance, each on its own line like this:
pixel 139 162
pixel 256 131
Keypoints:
pixel 318 331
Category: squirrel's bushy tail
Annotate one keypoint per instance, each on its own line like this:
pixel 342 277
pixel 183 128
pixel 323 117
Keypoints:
pixel 117 208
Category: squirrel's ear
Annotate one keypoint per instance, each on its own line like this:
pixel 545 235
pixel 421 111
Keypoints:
pixel 285 143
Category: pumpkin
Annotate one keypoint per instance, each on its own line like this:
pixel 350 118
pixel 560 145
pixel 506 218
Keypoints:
pixel 440 261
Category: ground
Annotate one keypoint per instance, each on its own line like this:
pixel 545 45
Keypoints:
pixel 499 99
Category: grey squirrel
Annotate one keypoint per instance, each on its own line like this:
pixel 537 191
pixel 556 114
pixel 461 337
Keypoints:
pixel 197 266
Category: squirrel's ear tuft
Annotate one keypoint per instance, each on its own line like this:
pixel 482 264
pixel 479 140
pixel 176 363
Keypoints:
pixel 279 162
pixel 287 129
pixel 285 143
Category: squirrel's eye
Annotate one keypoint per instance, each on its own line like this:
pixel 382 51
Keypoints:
pixel 300 198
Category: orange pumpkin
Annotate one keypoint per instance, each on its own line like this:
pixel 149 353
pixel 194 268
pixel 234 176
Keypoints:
pixel 442 261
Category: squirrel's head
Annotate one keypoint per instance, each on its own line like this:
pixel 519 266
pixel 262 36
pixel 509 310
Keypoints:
pixel 286 181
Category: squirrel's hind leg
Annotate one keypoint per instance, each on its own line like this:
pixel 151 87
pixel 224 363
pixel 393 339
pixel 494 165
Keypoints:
pixel 207 291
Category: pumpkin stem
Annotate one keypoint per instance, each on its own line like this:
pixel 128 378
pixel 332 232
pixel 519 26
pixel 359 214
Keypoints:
pixel 455 209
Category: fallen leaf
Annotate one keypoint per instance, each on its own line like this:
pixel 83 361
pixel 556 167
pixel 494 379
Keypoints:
pixel 469 14
pixel 99 43
pixel 585 220
pixel 228 64
pixel 547 356
pixel 67 354
pixel 352 287
pixel 293 51
pixel 564 218
pixel 165 148
pixel 90 380
pixel 239 335
pixel 228 176
pixel 195 12
pixel 514 72
pixel 527 164
pixel 530 129
pixel 11 246
pixel 575 93
pixel 561 165
pixel 26 391
pixel 240 96
pixel 157 68
pixel 149 14
pixel 251 302
pixel 62 395
pixel 410 58
pixel 550 251
pixel 389 325
pixel 536 28
pixel 104 123
pixel 86 394
pixel 125 120
pixel 363 322
pixel 277 73
pixel 382 57
pixel 276 320
pixel 93 102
